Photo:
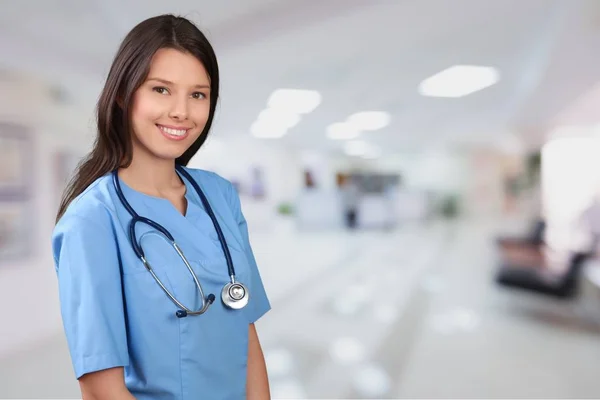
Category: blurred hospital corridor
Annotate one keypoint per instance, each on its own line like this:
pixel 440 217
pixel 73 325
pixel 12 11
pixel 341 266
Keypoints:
pixel 411 313
pixel 420 179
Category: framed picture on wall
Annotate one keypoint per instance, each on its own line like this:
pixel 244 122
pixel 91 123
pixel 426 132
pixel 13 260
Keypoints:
pixel 15 161
pixel 15 230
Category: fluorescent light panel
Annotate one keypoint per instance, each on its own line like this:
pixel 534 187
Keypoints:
pixel 264 130
pixel 278 118
pixel 356 123
pixel 294 101
pixel 284 107
pixel 369 120
pixel 459 81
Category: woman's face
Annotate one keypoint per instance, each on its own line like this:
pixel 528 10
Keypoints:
pixel 171 108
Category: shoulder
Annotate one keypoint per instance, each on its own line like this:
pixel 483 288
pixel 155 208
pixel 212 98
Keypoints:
pixel 212 179
pixel 215 184
pixel 88 223
pixel 93 206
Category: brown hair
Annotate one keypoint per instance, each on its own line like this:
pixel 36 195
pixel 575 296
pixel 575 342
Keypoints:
pixel 113 147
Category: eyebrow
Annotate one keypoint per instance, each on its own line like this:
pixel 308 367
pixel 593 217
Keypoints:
pixel 166 82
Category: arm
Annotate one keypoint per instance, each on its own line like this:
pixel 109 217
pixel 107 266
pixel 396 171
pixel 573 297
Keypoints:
pixel 257 387
pixel 91 301
pixel 105 384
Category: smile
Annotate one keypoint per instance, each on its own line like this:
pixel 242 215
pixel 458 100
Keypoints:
pixel 173 133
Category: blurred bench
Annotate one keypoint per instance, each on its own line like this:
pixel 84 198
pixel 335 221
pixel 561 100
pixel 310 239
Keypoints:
pixel 530 272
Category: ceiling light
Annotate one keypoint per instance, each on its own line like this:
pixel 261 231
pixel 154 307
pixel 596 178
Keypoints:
pixel 266 130
pixel 341 131
pixel 279 118
pixel 294 101
pixel 355 148
pixel 459 80
pixel 369 120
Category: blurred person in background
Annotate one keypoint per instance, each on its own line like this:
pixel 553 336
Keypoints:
pixel 124 285
pixel 309 181
pixel 350 196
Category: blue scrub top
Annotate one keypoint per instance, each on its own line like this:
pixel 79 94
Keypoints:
pixel 115 314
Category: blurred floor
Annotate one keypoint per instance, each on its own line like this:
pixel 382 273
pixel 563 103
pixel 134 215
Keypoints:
pixel 409 313
pixel 480 341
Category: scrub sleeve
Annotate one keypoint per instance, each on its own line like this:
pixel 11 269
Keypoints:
pixel 259 302
pixel 90 291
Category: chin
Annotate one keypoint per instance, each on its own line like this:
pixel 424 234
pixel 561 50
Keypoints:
pixel 170 157
pixel 165 154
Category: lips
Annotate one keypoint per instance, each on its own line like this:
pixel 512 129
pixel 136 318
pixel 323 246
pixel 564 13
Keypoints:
pixel 173 133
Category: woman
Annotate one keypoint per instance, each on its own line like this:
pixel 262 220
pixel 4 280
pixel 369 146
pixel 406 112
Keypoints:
pixel 144 318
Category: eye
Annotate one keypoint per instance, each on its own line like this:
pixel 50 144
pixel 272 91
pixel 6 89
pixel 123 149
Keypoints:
pixel 198 95
pixel 161 90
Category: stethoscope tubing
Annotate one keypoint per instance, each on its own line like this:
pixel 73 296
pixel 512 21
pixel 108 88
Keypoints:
pixel 136 218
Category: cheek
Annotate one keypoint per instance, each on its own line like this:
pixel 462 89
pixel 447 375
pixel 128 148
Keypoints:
pixel 200 114
pixel 145 112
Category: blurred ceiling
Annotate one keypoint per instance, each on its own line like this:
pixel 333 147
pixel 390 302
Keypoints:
pixel 360 55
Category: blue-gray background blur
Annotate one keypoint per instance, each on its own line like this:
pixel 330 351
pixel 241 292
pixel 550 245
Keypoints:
pixel 405 304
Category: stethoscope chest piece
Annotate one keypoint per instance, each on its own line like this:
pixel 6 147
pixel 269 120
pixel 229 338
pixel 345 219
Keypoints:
pixel 235 295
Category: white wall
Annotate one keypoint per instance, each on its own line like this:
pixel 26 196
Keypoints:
pixel 233 157
pixel 28 293
pixel 474 173
pixel 571 181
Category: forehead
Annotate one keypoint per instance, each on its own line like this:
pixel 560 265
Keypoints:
pixel 177 67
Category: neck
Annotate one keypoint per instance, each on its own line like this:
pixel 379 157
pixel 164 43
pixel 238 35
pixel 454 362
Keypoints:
pixel 151 176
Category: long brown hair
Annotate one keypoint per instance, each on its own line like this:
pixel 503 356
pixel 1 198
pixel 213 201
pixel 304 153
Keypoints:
pixel 113 147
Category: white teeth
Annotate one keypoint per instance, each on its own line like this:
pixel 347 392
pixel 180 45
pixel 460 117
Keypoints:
pixel 175 132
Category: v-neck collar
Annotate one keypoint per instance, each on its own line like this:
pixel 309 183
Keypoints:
pixel 150 201
pixel 195 217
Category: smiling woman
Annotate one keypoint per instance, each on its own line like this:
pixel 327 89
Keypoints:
pixel 172 107
pixel 142 242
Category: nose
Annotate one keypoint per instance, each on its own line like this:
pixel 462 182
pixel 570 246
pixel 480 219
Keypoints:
pixel 179 108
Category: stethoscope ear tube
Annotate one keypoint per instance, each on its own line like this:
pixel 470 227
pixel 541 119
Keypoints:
pixel 136 246
pixel 213 218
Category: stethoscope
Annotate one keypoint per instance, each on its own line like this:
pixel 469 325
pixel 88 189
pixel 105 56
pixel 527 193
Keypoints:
pixel 234 295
